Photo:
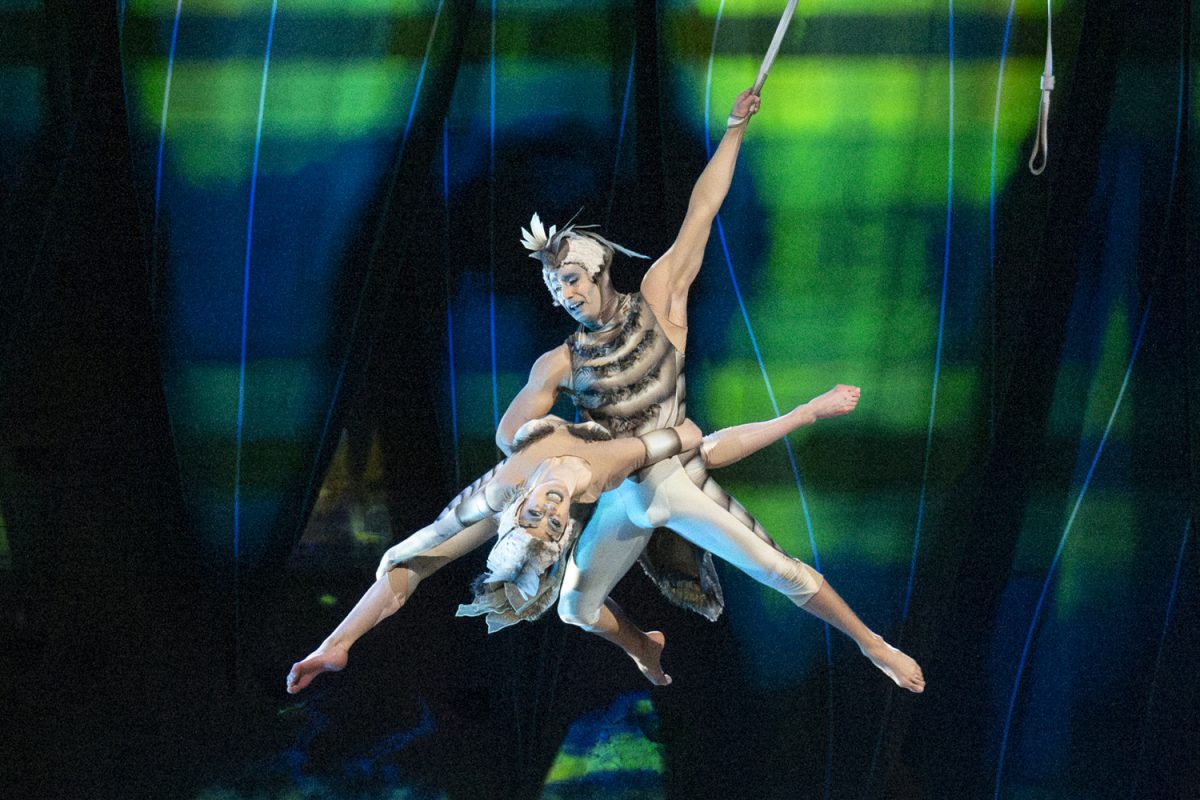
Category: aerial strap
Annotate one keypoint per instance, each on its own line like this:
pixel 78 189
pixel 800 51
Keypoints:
pixel 769 59
pixel 1041 142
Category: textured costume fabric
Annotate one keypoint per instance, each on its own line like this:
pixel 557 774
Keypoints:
pixel 524 572
pixel 609 460
pixel 520 559
pixel 625 519
pixel 630 379
pixel 499 595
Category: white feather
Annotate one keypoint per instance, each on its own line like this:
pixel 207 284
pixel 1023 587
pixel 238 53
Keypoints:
pixel 535 238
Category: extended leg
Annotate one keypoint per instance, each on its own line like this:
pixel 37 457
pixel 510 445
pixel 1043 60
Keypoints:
pixel 828 606
pixel 679 504
pixel 735 443
pixel 645 648
pixel 385 597
pixel 605 551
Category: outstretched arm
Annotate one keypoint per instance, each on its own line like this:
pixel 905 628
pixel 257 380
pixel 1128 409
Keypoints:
pixel 634 453
pixel 471 511
pixel 735 443
pixel 666 284
pixel 536 398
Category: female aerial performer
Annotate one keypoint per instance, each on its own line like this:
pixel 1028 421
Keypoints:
pixel 623 367
pixel 529 495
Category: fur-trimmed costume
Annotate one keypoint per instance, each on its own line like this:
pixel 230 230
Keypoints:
pixel 525 573
pixel 630 380
pixel 522 581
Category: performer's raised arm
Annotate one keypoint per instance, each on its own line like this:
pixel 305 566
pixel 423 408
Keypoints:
pixel 537 397
pixel 666 284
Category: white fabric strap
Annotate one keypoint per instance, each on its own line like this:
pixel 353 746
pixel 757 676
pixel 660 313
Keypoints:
pixel 769 59
pixel 776 43
pixel 1041 142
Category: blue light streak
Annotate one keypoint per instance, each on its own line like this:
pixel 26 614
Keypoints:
pixel 450 301
pixel 770 392
pixel 612 192
pixel 245 288
pixel 1037 612
pixel 1107 428
pixel 162 144
pixel 937 359
pixel 1137 774
pixel 492 221
pixel 992 223
pixel 1162 641
pixel 241 403
pixel 162 129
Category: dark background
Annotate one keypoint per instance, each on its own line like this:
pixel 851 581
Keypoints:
pixel 162 570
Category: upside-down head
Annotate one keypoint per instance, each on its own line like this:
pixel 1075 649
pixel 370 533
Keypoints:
pixel 542 510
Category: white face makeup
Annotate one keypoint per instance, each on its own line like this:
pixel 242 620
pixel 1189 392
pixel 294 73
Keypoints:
pixel 546 509
pixel 573 286
pixel 574 290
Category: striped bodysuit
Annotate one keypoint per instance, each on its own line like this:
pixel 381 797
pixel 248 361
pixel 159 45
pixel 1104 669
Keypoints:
pixel 629 379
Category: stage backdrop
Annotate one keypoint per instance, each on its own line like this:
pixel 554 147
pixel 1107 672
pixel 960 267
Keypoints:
pixel 266 302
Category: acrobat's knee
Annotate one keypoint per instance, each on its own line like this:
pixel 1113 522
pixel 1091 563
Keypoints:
pixel 573 610
pixel 795 580
pixel 806 582
pixel 401 581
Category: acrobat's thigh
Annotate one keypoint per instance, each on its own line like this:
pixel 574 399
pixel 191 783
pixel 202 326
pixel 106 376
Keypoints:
pixel 680 505
pixel 603 554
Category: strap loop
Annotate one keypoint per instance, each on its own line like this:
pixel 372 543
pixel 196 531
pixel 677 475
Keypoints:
pixel 1041 141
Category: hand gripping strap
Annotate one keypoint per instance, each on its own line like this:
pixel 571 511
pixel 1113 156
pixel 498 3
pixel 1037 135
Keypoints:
pixel 772 51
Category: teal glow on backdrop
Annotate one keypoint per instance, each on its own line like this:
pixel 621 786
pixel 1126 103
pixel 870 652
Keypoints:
pixel 868 229
pixel 306 131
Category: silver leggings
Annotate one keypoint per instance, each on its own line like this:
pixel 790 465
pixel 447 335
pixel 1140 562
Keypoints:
pixel 665 496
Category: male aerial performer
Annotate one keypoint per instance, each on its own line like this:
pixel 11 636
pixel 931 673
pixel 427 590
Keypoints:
pixel 624 369
pixel 632 383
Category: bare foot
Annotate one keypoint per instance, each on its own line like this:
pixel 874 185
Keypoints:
pixel 839 400
pixel 896 665
pixel 303 672
pixel 650 664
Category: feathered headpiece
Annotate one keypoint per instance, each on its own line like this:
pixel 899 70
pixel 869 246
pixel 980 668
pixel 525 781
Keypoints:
pixel 536 238
pixel 544 245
